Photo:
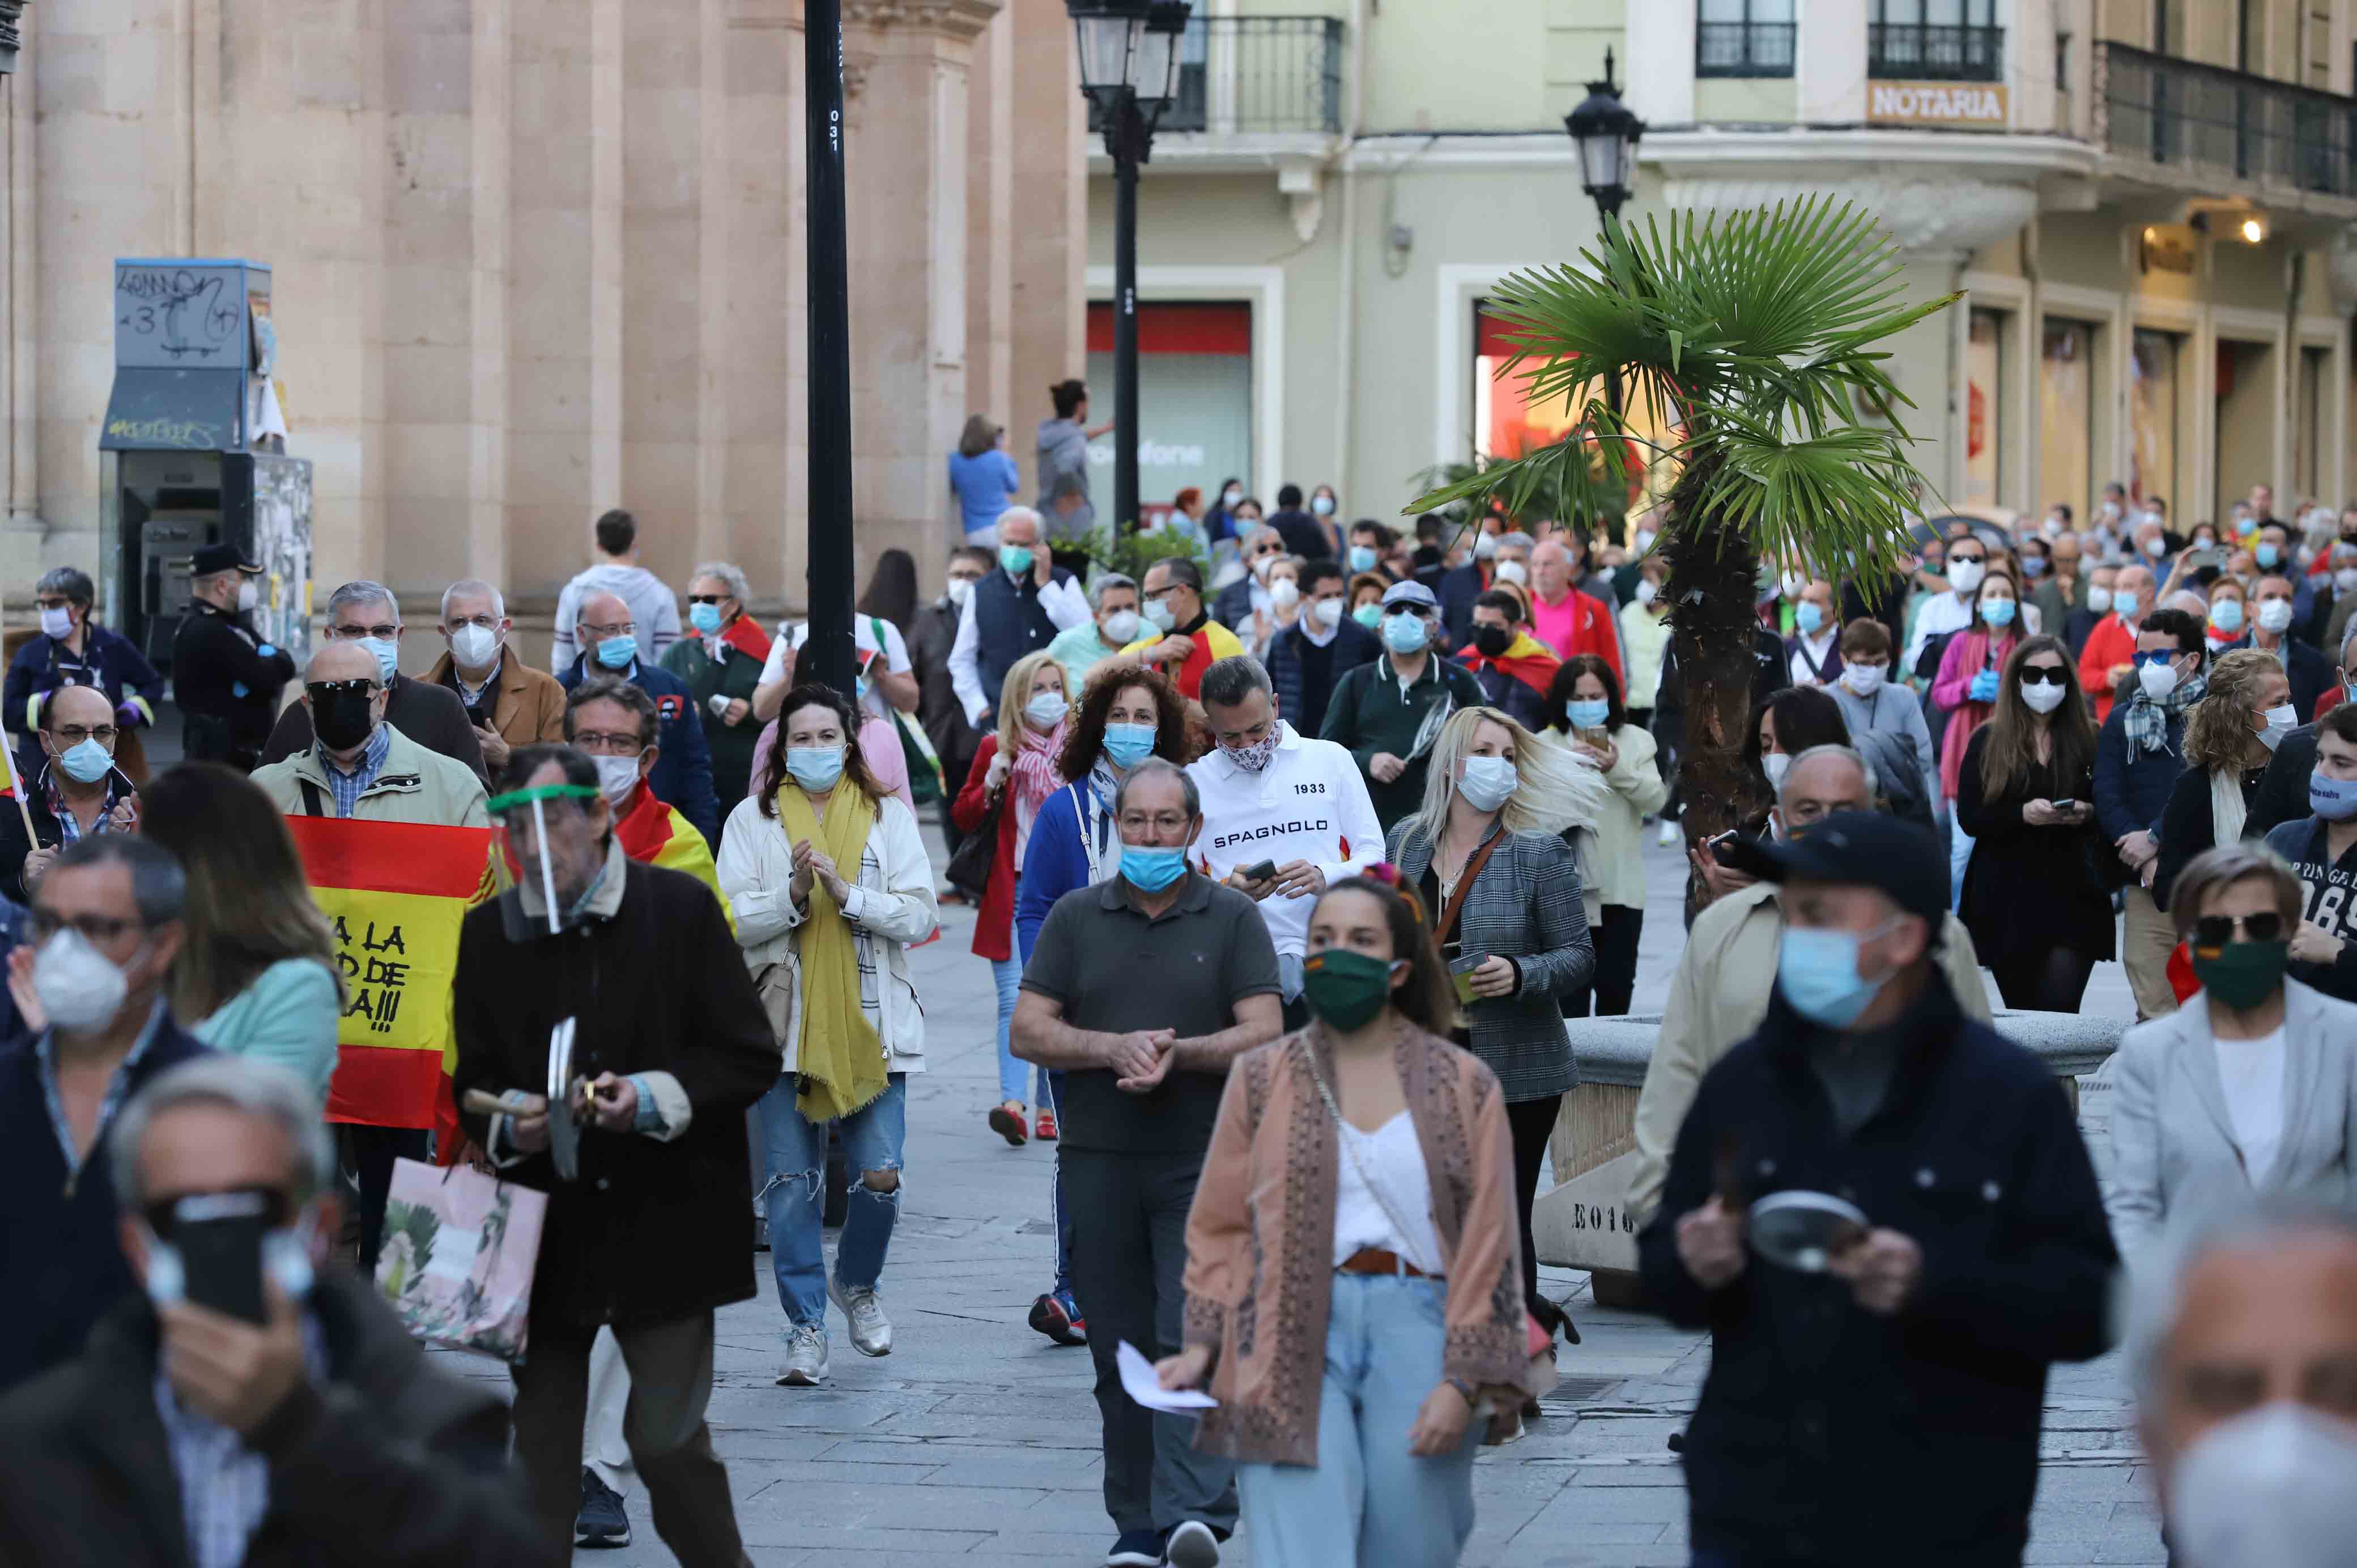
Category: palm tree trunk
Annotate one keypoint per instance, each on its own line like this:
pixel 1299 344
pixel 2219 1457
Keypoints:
pixel 1713 576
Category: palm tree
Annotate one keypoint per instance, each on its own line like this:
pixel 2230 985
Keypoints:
pixel 1750 336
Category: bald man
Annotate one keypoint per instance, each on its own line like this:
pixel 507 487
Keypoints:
pixel 357 765
pixel 79 791
pixel 613 643
pixel 365 614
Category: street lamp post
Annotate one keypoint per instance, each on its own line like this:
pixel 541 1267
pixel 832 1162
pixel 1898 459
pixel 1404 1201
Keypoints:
pixel 1129 70
pixel 1604 131
pixel 829 652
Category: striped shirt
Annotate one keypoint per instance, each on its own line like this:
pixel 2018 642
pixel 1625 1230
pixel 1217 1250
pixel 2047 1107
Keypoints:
pixel 350 787
pixel 44 1053
pixel 224 1486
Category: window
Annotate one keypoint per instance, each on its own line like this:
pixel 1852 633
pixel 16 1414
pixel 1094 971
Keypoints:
pixel 1194 396
pixel 1744 38
pixel 1985 408
pixel 2152 416
pixel 1508 423
pixel 2066 412
pixel 1935 40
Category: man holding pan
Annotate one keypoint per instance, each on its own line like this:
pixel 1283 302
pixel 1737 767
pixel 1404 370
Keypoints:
pixel 1885 1215
pixel 629 970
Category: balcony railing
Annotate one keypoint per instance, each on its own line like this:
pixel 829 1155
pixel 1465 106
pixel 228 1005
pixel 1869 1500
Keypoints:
pixel 1744 48
pixel 1259 74
pixel 2223 124
pixel 1933 51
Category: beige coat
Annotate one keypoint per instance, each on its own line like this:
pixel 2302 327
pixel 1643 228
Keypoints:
pixel 414 786
pixel 1615 865
pixel 1260 1238
pixel 1717 998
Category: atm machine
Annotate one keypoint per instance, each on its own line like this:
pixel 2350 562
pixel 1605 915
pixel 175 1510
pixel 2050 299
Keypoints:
pixel 191 451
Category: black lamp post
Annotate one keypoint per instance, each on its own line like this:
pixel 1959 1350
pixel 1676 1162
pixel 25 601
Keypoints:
pixel 1129 70
pixel 829 653
pixel 1605 131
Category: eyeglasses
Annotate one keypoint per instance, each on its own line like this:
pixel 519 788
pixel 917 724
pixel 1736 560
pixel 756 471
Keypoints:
pixel 74 735
pixel 2045 675
pixel 489 623
pixel 51 601
pixel 97 930
pixel 384 631
pixel 2217 930
pixel 600 633
pixel 320 690
pixel 274 1209
pixel 597 745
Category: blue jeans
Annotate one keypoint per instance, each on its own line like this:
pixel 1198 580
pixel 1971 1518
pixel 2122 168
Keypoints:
pixel 794 1193
pixel 1014 1077
pixel 1368 1499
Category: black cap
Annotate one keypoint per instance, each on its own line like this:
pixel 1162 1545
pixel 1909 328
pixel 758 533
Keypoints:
pixel 215 558
pixel 1864 849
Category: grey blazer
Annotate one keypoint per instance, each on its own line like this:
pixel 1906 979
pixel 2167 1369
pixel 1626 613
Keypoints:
pixel 2173 1142
pixel 1525 906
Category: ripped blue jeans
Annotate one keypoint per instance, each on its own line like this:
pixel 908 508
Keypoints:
pixel 796 1170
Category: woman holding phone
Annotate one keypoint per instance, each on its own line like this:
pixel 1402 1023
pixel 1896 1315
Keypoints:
pixel 1487 853
pixel 1584 716
pixel 2038 917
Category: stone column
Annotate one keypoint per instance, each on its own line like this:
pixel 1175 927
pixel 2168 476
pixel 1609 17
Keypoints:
pixel 990 233
pixel 1050 216
pixel 907 155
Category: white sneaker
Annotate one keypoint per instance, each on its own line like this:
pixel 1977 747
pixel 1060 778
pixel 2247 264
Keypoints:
pixel 1192 1545
pixel 871 1331
pixel 1670 833
pixel 805 1359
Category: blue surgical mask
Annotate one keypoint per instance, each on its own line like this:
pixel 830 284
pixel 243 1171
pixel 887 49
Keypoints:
pixel 387 655
pixel 1405 633
pixel 1487 783
pixel 2334 800
pixel 1997 612
pixel 2124 602
pixel 86 761
pixel 1151 870
pixel 1322 505
pixel 1126 745
pixel 618 652
pixel 705 618
pixel 1046 710
pixel 1369 615
pixel 817 768
pixel 2033 565
pixel 1362 557
pixel 1015 559
pixel 1817 972
pixel 2267 555
pixel 1587 713
pixel 1808 617
pixel 2226 614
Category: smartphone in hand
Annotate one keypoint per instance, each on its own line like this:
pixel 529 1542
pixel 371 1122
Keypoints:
pixel 1261 873
pixel 219 1235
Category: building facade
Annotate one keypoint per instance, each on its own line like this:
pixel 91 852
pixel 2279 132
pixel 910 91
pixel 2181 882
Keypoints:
pixel 2149 204
pixel 536 259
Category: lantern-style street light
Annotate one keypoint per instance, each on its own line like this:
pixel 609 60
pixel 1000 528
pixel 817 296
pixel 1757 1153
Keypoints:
pixel 1604 131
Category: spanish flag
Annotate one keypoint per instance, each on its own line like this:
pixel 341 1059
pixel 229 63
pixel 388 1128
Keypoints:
pixel 655 834
pixel 395 894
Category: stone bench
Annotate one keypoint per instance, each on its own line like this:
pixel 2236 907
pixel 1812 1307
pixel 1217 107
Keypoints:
pixel 1584 1222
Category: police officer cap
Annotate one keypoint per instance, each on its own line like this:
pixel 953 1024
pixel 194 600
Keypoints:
pixel 215 558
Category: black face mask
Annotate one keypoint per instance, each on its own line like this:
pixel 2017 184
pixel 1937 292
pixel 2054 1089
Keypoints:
pixel 342 721
pixel 1492 641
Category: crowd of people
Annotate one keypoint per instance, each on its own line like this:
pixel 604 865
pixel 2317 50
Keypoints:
pixel 1288 855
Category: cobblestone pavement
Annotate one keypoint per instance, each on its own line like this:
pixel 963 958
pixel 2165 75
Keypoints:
pixel 975 1441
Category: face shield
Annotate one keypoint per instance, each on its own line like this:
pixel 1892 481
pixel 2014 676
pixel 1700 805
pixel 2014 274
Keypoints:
pixel 547 838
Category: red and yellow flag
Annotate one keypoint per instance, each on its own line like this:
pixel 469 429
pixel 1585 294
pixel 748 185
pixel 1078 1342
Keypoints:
pixel 655 834
pixel 395 894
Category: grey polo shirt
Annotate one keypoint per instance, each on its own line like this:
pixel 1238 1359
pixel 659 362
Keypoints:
pixel 1114 970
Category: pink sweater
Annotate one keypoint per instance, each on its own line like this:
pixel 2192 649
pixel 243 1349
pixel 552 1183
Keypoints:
pixel 1968 653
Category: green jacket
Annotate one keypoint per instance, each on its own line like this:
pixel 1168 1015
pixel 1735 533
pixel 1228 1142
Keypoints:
pixel 1370 714
pixel 732 745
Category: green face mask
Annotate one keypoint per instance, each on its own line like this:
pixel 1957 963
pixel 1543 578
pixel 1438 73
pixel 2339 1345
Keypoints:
pixel 2241 974
pixel 1346 989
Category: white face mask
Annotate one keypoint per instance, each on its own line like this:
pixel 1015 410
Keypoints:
pixel 1792 583
pixel 1865 680
pixel 2158 680
pixel 1647 591
pixel 1285 592
pixel 1485 546
pixel 1775 764
pixel 1513 572
pixel 1487 782
pixel 1261 564
pixel 1120 628
pixel 2281 722
pixel 1644 540
pixel 2041 698
pixel 474 646
pixel 1326 613
pixel 1228 498
pixel 2275 615
pixel 616 777
pixel 960 590
pixel 1046 710
pixel 78 986
pixel 248 594
pixel 58 623
pixel 2271 1487
pixel 1964 576
pixel 2099 600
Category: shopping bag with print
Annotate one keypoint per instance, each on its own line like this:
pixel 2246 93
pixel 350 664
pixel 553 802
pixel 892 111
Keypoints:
pixel 458 1257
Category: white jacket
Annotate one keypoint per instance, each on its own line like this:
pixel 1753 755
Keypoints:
pixel 1309 803
pixel 891 907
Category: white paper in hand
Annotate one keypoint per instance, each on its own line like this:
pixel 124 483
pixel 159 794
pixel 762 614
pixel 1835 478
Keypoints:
pixel 1138 1380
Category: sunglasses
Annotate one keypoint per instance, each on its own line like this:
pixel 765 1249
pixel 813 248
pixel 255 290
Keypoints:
pixel 706 598
pixel 2217 930
pixel 273 1207
pixel 2045 675
pixel 322 690
pixel 2155 656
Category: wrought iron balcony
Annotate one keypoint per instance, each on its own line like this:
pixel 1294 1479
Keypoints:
pixel 1933 51
pixel 2222 125
pixel 1257 75
pixel 1744 48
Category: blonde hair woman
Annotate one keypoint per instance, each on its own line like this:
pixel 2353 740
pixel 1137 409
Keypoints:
pixel 1014 769
pixel 1487 854
pixel 2230 735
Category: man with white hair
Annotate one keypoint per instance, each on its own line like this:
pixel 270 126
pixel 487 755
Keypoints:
pixel 508 701
pixel 1567 614
pixel 1015 610
pixel 2242 1343
pixel 1263 548
pixel 364 613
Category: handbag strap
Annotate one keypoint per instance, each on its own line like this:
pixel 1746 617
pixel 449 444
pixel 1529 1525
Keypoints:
pixel 1446 930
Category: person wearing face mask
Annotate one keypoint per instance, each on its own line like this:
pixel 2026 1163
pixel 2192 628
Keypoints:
pixel 2107 668
pixel 1326 508
pixel 2229 624
pixel 1584 717
pixel 1403 1301
pixel 1644 624
pixel 71 650
pixel 1180 638
pixel 78 792
pixel 1263 547
pixel 2080 624
pixel 2242 1344
pixel 2250 1087
pixel 1308 659
pixel 2321 849
pixel 2339 572
pixel 2139 753
pixel 1966 689
pixel 1388 713
pixel 509 703
pixel 1283 611
pixel 1812 650
pixel 930 637
pixel 614 725
pixel 2272 611
pixel 1276 798
pixel 1514 669
pixel 831 885
pixel 1872 703
pixel 1719 991
pixel 2039 916
pixel 1145 1051
pixel 1984 1256
pixel 322 1433
pixel 1219 522
pixel 1012 777
pixel 2230 737
pixel 1939 618
pixel 682 775
pixel 1312 536
pixel 1014 609
pixel 97 957
pixel 720 661
pixel 2060 592
pixel 1114 625
pixel 226 673
pixel 364 614
pixel 1371 547
pixel 1569 618
pixel 1488 851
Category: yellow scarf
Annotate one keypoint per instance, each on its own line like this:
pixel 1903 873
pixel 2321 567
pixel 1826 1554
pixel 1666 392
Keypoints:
pixel 839 1056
